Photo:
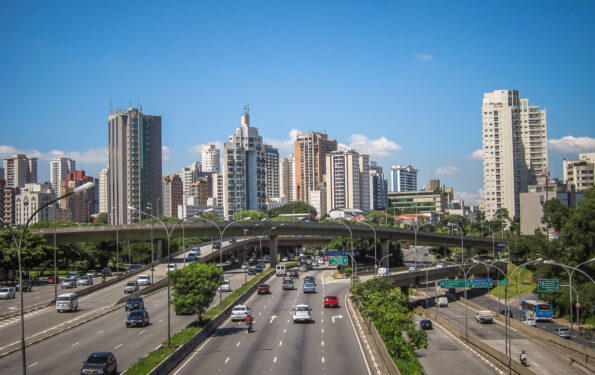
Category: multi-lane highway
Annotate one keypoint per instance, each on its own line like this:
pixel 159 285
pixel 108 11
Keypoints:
pixel 328 345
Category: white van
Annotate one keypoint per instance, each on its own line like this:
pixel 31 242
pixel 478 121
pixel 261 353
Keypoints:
pixel 383 271
pixel 442 301
pixel 67 302
pixel 196 249
pixel 280 270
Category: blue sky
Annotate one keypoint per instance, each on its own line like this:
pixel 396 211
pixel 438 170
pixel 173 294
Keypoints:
pixel 398 80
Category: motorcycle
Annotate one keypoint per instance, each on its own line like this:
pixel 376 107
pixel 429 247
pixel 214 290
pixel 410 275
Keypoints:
pixel 523 359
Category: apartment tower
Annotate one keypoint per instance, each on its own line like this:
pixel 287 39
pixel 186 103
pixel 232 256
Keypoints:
pixel 59 168
pixel 514 138
pixel 210 159
pixel 20 170
pixel 272 171
pixel 134 164
pixel 403 178
pixel 310 151
pixel 347 180
pixel 287 188
pixel 103 190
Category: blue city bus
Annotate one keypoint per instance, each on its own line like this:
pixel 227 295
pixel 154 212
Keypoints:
pixel 532 309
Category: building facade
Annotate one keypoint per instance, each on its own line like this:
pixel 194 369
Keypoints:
pixel 211 159
pixel 134 164
pixel 420 201
pixel 378 188
pixel 514 139
pixel 29 199
pixel 20 170
pixel 310 167
pixel 201 190
pixel 403 178
pixel 172 195
pixel 7 201
pixel 580 172
pixel 272 171
pixel 244 170
pixel 59 168
pixel 347 181
pixel 189 175
pixel 103 190
pixel 77 207
pixel 287 187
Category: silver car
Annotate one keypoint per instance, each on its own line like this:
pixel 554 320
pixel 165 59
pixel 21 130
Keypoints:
pixel 7 293
pixel 85 280
pixel 68 283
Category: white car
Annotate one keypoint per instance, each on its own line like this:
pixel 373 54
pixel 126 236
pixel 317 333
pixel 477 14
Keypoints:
pixel 85 280
pixel 240 312
pixel 225 287
pixel 413 268
pixel 91 273
pixel 171 267
pixel 320 261
pixel 143 280
pixel 302 313
pixel 7 293
pixel 284 259
pixel 441 265
pixel 245 265
pixel 530 322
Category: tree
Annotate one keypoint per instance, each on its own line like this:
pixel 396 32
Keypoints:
pixel 195 287
pixel 253 215
pixel 213 216
pixel 102 218
pixel 555 214
pixel 296 207
pixel 578 235
pixel 380 218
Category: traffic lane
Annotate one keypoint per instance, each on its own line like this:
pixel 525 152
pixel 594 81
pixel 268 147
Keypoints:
pixel 444 356
pixel 541 360
pixel 107 333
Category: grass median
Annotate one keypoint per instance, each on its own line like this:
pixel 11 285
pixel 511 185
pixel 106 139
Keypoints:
pixel 150 361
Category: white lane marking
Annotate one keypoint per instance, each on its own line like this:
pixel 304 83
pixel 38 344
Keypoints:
pixel 101 331
pixel 322 330
pixel 359 342
pixel 117 346
pixel 259 313
pixel 284 330
pixel 323 343
pixel 76 343
pixel 33 364
pixel 322 320
pixel 157 347
pixel 238 344
pixel 160 320
pixel 322 359
pixel 337 316
pixel 143 331
pixel 280 343
pixel 272 318
pixel 275 359
pixel 227 360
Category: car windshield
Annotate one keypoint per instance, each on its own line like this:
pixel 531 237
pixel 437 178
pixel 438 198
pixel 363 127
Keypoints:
pixel 67 280
pixel 95 359
pixel 4 290
pixel 132 300
pixel 131 283
pixel 301 308
pixel 563 330
pixel 308 285
pixel 64 299
pixel 239 308
pixel 142 277
pixel 331 297
pixel 136 314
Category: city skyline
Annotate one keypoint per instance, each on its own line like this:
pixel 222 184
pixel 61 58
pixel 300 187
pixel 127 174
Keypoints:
pixel 389 88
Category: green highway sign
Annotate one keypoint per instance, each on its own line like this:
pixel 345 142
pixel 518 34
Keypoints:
pixel 337 261
pixel 548 285
pixel 502 282
pixel 452 283
pixel 480 283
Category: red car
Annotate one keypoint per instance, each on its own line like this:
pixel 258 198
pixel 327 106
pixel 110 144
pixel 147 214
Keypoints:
pixel 50 280
pixel 331 301
pixel 263 289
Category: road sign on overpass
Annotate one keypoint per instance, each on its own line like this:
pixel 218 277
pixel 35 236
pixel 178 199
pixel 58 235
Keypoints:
pixel 335 253
pixel 471 283
pixel 337 261
pixel 481 283
pixel 452 283
pixel 548 285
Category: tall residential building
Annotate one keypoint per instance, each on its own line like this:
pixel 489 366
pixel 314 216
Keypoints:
pixel 201 190
pixel 7 201
pixel 172 195
pixel 310 151
pixel 514 138
pixel 134 164
pixel 20 170
pixel 189 175
pixel 580 172
pixel 403 178
pixel 272 171
pixel 103 190
pixel 347 180
pixel 2 176
pixel 31 197
pixel 244 170
pixel 211 159
pixel 378 188
pixel 217 187
pixel 77 207
pixel 59 168
pixel 287 188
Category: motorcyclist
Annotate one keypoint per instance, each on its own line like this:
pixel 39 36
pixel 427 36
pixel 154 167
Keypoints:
pixel 523 357
pixel 249 321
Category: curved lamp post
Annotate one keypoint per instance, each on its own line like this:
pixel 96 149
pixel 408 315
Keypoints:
pixel 352 260
pixel 19 244
pixel 168 233
pixel 493 240
pixel 376 265
pixel 462 247
pixel 415 228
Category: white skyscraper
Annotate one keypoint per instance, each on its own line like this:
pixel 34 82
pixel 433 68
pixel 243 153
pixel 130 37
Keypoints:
pixel 104 190
pixel 189 175
pixel 244 170
pixel 59 168
pixel 347 180
pixel 20 170
pixel 403 178
pixel 210 159
pixel 287 187
pixel 514 138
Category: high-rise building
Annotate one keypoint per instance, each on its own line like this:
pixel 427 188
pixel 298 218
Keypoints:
pixel 272 171
pixel 244 170
pixel 287 187
pixel 378 188
pixel 581 172
pixel 201 190
pixel 59 168
pixel 217 187
pixel 7 201
pixel 134 164
pixel 77 207
pixel 103 190
pixel 310 151
pixel 20 170
pixel 347 180
pixel 172 194
pixel 31 197
pixel 403 178
pixel 189 175
pixel 2 176
pixel 211 159
pixel 514 138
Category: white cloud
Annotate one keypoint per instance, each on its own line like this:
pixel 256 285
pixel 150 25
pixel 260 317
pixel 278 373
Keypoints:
pixel 286 146
pixel 476 155
pixel 372 147
pixel 572 145
pixel 165 151
pixel 197 149
pixel 424 57
pixel 446 170
pixel 93 155
pixel 471 199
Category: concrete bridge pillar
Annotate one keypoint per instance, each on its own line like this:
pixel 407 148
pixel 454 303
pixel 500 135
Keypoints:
pixel 384 244
pixel 273 250
pixel 468 252
pixel 159 250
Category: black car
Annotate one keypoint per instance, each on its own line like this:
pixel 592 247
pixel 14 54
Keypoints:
pixel 100 363
pixel 216 245
pixel 503 312
pixel 425 324
pixel 252 271
pixel 27 284
pixel 294 274
pixel 134 303
pixel 138 318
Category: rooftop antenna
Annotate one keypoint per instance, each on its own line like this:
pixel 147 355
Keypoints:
pixel 111 107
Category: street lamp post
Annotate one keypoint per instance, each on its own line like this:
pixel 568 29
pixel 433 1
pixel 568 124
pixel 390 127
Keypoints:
pixel 462 247
pixel 19 244
pixel 352 259
pixel 117 241
pixel 152 258
pixel 55 264
pixel 168 233
pixel 493 239
pixel 415 228
pixel 376 265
